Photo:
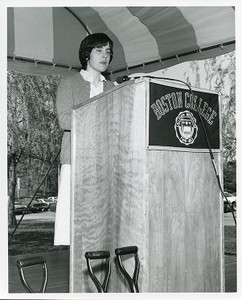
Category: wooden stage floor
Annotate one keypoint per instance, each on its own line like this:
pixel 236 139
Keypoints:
pixel 58 273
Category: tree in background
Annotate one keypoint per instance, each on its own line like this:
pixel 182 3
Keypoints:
pixel 33 133
pixel 219 75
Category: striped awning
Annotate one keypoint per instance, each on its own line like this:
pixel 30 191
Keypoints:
pixel 43 40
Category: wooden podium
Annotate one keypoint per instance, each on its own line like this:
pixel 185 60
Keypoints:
pixel 125 192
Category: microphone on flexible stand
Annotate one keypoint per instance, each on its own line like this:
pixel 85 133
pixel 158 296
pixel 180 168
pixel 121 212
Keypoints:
pixel 121 79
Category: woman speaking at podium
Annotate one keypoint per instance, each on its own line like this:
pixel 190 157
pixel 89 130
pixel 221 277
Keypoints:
pixel 95 54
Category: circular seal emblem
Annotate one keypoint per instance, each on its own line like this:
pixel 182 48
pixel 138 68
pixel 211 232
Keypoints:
pixel 186 127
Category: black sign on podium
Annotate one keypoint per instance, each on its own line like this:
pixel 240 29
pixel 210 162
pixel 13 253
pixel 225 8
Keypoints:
pixel 174 120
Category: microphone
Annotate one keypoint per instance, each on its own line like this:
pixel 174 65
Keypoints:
pixel 121 79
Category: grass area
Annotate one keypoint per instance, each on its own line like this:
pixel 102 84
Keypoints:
pixel 36 237
pixel 33 237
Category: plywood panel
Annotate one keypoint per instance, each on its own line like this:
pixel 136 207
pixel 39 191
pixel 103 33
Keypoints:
pixel 166 241
pixel 184 205
pixel 108 180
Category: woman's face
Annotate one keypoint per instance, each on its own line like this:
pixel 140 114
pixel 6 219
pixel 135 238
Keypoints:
pixel 99 59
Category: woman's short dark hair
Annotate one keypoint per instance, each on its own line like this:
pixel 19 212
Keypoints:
pixel 94 40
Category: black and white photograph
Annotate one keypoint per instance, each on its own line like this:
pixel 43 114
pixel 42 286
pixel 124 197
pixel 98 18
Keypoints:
pixel 119 149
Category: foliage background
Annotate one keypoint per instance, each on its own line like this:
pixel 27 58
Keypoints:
pixel 34 135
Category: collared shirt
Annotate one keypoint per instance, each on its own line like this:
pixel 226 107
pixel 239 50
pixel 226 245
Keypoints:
pixel 94 90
